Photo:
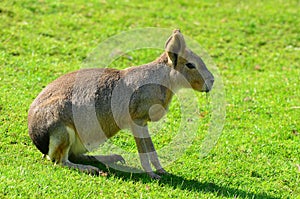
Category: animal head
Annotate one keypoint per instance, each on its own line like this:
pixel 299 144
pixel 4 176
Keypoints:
pixel 187 63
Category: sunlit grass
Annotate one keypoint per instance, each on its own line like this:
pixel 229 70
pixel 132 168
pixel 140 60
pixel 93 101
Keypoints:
pixel 254 44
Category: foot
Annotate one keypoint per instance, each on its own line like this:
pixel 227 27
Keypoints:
pixel 162 171
pixel 85 168
pixel 105 159
pixel 153 176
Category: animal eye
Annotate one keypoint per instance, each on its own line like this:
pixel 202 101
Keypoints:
pixel 190 65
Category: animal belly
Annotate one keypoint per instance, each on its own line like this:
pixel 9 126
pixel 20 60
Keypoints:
pixel 89 129
pixel 91 136
pixel 93 132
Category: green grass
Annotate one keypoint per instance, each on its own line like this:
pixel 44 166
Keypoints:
pixel 256 46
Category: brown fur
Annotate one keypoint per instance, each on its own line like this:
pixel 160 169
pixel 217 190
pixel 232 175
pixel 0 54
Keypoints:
pixel 66 117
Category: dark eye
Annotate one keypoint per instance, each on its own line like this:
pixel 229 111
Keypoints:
pixel 190 65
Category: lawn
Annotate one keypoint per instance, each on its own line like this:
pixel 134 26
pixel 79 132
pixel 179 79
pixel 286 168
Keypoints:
pixel 254 44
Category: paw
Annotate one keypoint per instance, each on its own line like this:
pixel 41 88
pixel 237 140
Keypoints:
pixel 153 176
pixel 92 170
pixel 88 169
pixel 162 171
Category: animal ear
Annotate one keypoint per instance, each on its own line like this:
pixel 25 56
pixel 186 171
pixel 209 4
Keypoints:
pixel 175 46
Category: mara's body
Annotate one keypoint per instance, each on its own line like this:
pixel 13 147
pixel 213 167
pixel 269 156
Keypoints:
pixel 59 105
pixel 80 110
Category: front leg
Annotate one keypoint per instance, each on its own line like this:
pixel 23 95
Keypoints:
pixel 153 155
pixel 147 151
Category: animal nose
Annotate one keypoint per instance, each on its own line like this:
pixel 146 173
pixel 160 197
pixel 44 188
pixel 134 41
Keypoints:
pixel 209 85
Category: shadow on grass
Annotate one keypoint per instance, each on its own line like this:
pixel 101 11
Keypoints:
pixel 184 184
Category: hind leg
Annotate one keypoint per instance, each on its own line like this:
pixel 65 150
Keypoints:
pixel 61 140
pixel 104 159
